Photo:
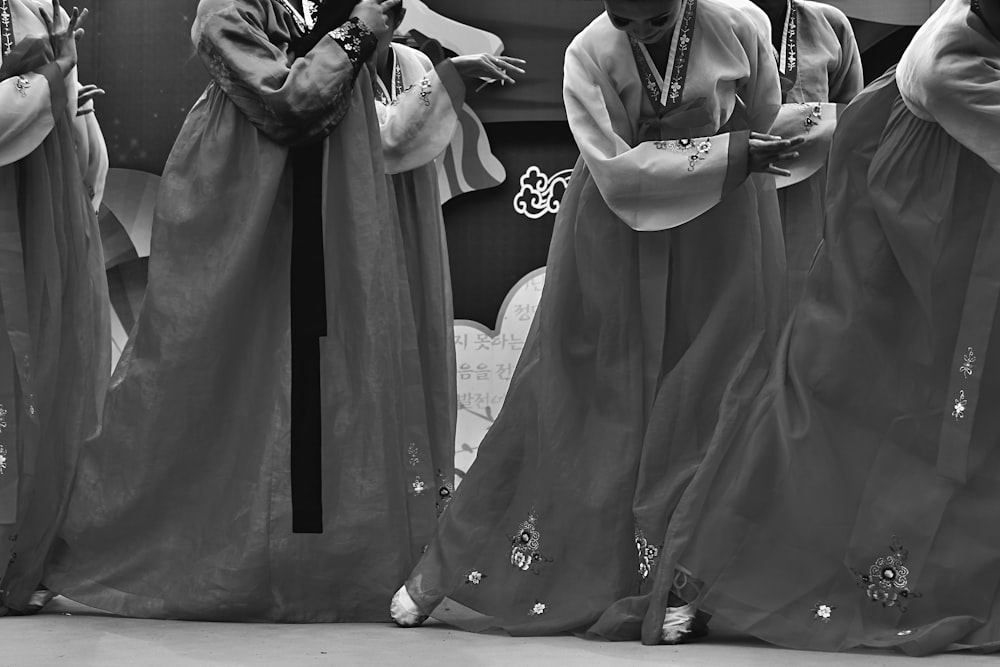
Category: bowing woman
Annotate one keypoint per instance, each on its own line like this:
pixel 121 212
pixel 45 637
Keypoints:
pixel 665 271
pixel 820 67
pixel 853 503
pixel 55 349
pixel 274 333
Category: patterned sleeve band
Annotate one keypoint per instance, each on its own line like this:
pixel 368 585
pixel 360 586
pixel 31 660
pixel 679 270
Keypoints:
pixel 357 40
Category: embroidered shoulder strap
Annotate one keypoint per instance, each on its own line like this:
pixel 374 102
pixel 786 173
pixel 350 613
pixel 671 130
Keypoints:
pixel 6 28
pixel 681 48
pixel 397 77
pixel 788 60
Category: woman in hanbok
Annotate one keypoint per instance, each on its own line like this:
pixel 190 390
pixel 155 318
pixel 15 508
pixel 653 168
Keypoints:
pixel 55 349
pixel 185 508
pixel 665 269
pixel 418 104
pixel 820 67
pixel 854 501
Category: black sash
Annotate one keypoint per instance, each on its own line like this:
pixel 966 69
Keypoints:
pixel 308 307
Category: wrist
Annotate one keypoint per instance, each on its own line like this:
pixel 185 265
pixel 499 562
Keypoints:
pixel 357 40
pixel 65 65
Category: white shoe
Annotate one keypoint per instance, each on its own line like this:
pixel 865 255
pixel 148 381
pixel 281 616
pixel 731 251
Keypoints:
pixel 677 623
pixel 405 611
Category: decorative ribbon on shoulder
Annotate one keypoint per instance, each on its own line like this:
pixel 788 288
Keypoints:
pixel 6 29
pixel 667 103
pixel 788 59
pixel 975 332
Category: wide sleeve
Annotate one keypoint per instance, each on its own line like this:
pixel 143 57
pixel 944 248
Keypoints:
pixel 847 79
pixel 816 120
pixel 419 125
pixel 28 108
pixel 815 123
pixel 290 102
pixel 657 184
pixel 962 95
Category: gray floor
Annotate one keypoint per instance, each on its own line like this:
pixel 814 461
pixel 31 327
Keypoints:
pixel 69 634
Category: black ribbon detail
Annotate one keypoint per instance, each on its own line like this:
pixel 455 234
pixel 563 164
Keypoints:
pixel 308 306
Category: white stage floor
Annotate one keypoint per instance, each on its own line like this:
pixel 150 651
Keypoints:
pixel 72 635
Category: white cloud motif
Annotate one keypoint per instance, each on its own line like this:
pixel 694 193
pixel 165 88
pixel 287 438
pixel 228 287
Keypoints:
pixel 541 194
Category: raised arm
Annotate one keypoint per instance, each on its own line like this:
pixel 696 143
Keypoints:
pixel 92 151
pixel 29 104
pixel 290 101
pixel 419 125
pixel 33 92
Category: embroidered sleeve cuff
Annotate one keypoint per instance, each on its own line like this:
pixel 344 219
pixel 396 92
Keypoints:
pixel 357 40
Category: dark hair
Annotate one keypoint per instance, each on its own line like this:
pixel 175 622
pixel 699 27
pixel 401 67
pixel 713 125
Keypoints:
pixel 332 14
pixel 396 14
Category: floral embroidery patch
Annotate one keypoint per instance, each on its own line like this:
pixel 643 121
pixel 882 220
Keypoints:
pixel 524 546
pixel 697 149
pixel 887 580
pixel 425 92
pixel 823 612
pixel 648 553
pixel 414 453
pixel 961 404
pixel 814 114
pixel 356 39
pixel 474 577
pixel 967 368
pixel 418 485
pixel 538 609
pixel 446 488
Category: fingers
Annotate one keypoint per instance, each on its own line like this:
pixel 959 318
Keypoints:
pixel 89 92
pixel 786 157
pixel 57 17
pixel 48 21
pixel 387 5
pixel 777 171
pixel 78 34
pixel 764 137
pixel 511 64
pixel 79 16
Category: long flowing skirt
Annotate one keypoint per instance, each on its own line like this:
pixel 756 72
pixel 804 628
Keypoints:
pixel 183 508
pixel 853 502
pixel 635 339
pixel 54 352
